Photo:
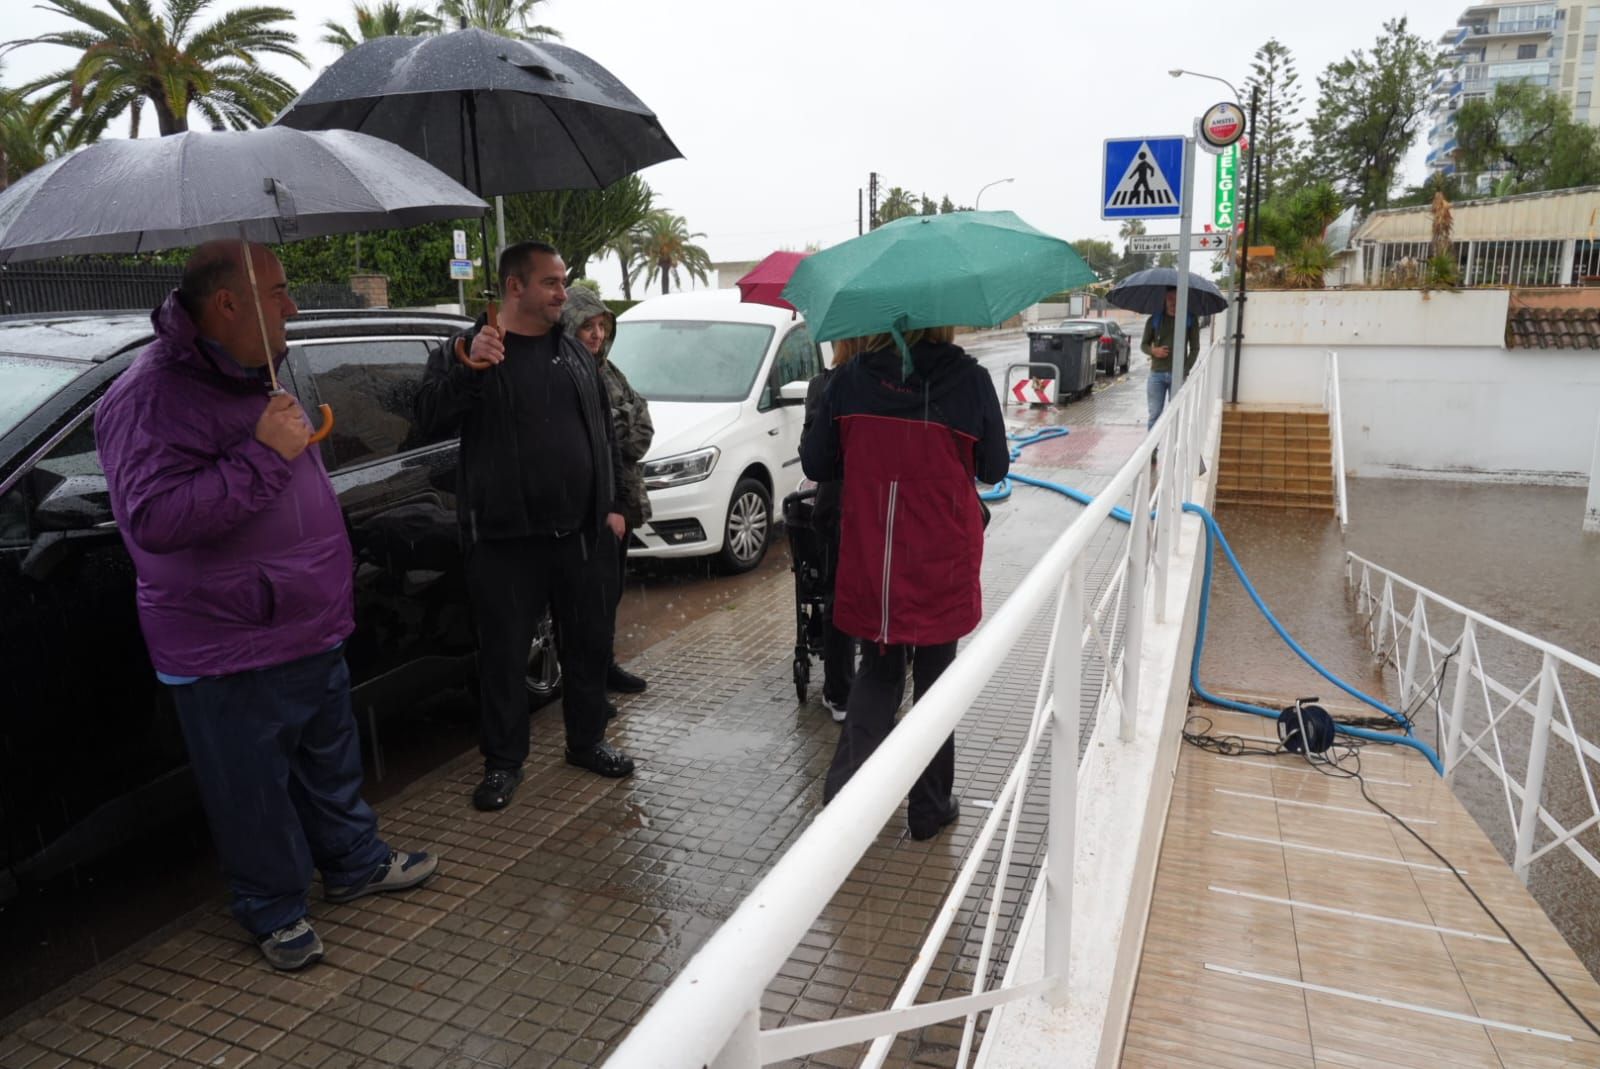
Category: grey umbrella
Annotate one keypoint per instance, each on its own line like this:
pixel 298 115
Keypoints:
pixel 268 186
pixel 1146 291
pixel 497 115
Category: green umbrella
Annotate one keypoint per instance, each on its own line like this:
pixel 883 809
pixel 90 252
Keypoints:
pixel 973 269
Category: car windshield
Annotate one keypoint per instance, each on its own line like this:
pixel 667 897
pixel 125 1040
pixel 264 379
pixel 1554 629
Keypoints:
pixel 690 359
pixel 25 384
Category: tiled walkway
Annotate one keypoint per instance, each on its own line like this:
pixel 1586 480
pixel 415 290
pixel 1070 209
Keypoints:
pixel 554 923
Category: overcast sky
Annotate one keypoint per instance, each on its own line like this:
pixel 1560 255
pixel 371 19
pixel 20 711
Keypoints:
pixel 782 110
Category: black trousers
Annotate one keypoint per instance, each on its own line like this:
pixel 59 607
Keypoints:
pixel 621 545
pixel 838 648
pixel 512 583
pixel 879 688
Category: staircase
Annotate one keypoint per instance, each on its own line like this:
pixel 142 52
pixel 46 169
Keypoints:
pixel 1276 456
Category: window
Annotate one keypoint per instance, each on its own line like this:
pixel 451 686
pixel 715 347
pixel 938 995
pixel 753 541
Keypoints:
pixel 26 383
pixel 798 361
pixel 371 385
pixel 64 491
pixel 1527 51
pixel 1583 100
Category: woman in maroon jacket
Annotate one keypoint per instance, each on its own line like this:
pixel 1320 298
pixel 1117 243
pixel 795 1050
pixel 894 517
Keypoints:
pixel 911 538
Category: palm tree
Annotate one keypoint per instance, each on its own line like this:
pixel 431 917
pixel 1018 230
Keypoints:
pixel 508 18
pixel 666 245
pixel 896 205
pixel 131 55
pixel 625 247
pixel 386 19
pixel 1131 228
pixel 26 139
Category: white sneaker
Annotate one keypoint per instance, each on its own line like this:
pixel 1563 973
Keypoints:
pixel 834 708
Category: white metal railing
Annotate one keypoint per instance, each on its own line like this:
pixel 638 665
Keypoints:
pixel 1474 710
pixel 710 1015
pixel 1330 402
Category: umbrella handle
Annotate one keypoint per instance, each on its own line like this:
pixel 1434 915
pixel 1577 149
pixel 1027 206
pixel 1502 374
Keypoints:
pixel 492 311
pixel 327 426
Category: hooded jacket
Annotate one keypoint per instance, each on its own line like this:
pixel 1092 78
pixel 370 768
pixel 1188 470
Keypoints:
pixel 243 558
pixel 630 412
pixel 911 528
pixel 478 405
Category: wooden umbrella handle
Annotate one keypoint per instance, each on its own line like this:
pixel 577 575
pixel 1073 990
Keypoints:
pixel 492 310
pixel 327 426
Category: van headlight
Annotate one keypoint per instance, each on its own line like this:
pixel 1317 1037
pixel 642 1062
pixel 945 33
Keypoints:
pixel 680 470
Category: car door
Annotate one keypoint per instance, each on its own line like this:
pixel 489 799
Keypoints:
pixel 798 360
pixel 398 495
pixel 85 723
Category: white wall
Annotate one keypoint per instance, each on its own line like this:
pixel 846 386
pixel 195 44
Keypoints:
pixel 1462 406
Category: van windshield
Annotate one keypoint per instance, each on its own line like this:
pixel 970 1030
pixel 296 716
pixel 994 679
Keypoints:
pixel 690 359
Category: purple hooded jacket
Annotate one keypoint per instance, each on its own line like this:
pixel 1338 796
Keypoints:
pixel 243 558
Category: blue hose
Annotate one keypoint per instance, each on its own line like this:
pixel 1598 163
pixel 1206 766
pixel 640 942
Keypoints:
pixel 1214 537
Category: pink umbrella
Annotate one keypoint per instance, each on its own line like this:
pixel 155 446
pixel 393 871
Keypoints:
pixel 765 282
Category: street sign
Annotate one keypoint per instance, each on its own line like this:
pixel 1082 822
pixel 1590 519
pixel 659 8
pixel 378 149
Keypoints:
pixel 1141 178
pixel 1147 243
pixel 461 269
pixel 1034 391
pixel 1225 203
pixel 1222 125
pixel 459 249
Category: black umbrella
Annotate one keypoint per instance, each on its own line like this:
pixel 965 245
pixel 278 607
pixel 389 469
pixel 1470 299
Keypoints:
pixel 497 115
pixel 270 185
pixel 1146 291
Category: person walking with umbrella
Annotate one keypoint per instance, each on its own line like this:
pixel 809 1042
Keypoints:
pixel 587 318
pixel 1157 345
pixel 245 597
pixel 537 494
pixel 907 446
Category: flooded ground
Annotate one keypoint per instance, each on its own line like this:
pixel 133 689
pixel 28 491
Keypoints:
pixel 1515 553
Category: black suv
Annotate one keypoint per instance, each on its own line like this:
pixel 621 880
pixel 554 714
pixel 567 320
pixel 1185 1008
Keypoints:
pixel 89 746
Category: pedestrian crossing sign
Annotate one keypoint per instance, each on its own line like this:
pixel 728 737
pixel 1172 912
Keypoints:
pixel 1142 176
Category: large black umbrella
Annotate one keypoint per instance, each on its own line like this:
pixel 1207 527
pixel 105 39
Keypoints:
pixel 498 115
pixel 1146 291
pixel 267 186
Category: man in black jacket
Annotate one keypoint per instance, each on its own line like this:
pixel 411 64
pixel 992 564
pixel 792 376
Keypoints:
pixel 537 496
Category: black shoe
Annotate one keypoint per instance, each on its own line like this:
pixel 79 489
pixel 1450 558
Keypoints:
pixel 498 785
pixel 624 682
pixel 602 759
pixel 921 831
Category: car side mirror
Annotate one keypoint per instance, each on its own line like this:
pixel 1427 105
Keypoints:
pixel 794 393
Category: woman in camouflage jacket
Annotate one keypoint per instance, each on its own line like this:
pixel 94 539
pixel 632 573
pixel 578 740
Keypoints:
pixel 586 318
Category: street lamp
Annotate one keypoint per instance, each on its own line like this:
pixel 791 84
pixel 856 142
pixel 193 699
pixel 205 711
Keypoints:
pixel 1179 72
pixel 976 201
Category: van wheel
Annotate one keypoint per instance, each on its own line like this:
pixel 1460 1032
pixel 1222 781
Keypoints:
pixel 748 528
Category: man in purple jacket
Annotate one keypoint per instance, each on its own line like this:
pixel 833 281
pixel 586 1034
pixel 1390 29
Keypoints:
pixel 245 598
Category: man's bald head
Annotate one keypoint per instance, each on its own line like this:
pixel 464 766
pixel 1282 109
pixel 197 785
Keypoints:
pixel 215 291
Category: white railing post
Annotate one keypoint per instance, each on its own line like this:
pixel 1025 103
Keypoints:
pixel 1408 678
pixel 1066 711
pixel 743 1049
pixel 1533 786
pixel 1161 529
pixel 1458 701
pixel 1133 626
